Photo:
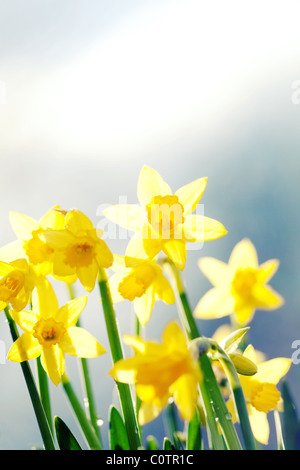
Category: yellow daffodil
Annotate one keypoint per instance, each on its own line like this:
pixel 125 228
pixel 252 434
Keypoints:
pixel 260 392
pixel 28 230
pixel 49 332
pixel 141 281
pixel 78 249
pixel 240 287
pixel 161 371
pixel 164 221
pixel 16 284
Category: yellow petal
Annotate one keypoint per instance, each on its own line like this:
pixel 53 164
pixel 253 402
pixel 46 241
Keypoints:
pixel 125 370
pixel 26 320
pixel 60 267
pixel 151 243
pixel 131 216
pixel 104 256
pixel 163 289
pixel 53 361
pixel 176 251
pixel 44 300
pixel 78 342
pixel 5 268
pixel 22 225
pixel 26 347
pixel 135 247
pixel 174 338
pixel 151 184
pixel 57 239
pixel 267 270
pixel 185 395
pixel 148 412
pixel 259 425
pixel 273 370
pixel 69 313
pixel 216 303
pixel 88 275
pixel 250 353
pixel 143 306
pixel 190 194
pixel 198 228
pixel 243 255
pixel 54 219
pixel 216 271
pixel 77 222
pixel 266 297
pixel 12 250
pixel 244 314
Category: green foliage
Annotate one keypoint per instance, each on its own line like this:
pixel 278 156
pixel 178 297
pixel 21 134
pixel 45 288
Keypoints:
pixel 117 431
pixel 65 438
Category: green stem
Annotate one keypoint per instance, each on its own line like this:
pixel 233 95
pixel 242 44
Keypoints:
pixel 213 400
pixel 88 431
pixel 241 407
pixel 278 427
pixel 88 389
pixel 33 392
pixel 129 414
pixel 44 392
pixel 138 401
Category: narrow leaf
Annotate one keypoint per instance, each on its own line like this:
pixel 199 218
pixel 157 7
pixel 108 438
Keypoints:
pixel 194 438
pixel 65 438
pixel 152 443
pixel 167 444
pixel 231 342
pixel 117 431
pixel 291 424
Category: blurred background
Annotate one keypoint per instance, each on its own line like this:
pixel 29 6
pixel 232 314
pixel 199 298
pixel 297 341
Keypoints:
pixel 91 91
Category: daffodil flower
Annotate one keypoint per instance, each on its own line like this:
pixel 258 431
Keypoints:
pixel 16 284
pixel 260 392
pixel 161 371
pixel 49 332
pixel 163 221
pixel 78 249
pixel 28 230
pixel 141 281
pixel 240 287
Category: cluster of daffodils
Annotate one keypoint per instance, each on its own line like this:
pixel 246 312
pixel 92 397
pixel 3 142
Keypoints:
pixel 205 379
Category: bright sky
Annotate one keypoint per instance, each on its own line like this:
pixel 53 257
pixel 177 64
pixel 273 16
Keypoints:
pixel 176 67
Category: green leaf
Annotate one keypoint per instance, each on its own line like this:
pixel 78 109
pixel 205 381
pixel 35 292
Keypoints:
pixel 167 444
pixel 65 438
pixel 152 443
pixel 194 437
pixel 231 342
pixel 291 424
pixel 117 431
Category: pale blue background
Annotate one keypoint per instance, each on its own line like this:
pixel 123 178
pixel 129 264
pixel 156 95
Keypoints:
pixel 96 89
